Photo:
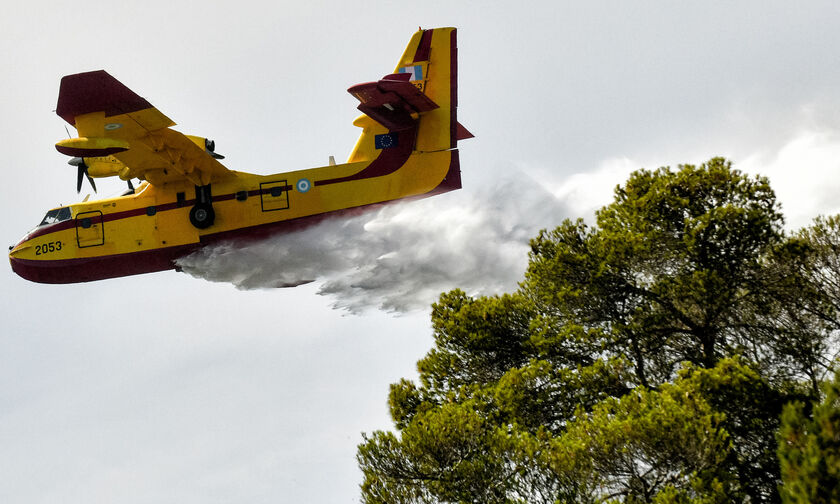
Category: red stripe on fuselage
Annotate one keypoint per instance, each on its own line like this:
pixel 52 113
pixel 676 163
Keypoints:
pixel 387 162
pixel 61 226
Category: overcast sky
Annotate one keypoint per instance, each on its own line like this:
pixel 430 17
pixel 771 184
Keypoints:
pixel 173 389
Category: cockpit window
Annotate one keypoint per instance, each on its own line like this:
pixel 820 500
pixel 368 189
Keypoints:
pixel 56 215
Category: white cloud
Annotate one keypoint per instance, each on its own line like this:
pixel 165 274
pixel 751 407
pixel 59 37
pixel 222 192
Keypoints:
pixel 584 193
pixel 804 172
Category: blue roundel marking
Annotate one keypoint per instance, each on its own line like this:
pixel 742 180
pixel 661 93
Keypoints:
pixel 303 185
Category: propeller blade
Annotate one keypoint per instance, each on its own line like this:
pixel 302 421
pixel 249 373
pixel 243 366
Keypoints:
pixel 80 173
pixel 90 179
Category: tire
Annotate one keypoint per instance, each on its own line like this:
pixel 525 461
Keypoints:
pixel 202 216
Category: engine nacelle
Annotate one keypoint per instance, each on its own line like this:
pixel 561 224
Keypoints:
pixel 91 146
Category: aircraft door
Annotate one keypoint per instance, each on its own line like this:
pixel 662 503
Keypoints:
pixel 274 195
pixel 89 229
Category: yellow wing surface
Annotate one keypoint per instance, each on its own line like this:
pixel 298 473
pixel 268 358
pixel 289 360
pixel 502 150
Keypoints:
pixel 122 134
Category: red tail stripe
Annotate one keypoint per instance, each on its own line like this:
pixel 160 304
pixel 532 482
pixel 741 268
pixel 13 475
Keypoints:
pixel 425 47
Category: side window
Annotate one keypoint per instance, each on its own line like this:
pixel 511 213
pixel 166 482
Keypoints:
pixel 63 214
pixel 50 218
pixel 56 215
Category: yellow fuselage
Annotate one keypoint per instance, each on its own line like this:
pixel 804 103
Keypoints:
pixel 146 231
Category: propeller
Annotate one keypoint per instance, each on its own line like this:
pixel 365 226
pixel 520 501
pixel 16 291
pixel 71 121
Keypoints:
pixel 82 172
pixel 210 146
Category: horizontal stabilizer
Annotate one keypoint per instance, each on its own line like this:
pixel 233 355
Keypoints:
pixel 393 101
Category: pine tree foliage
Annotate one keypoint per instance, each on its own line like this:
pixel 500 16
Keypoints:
pixel 645 358
pixel 809 449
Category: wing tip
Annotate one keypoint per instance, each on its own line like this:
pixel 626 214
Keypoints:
pixel 95 91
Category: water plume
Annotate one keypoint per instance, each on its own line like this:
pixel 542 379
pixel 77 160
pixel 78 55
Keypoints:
pixel 400 257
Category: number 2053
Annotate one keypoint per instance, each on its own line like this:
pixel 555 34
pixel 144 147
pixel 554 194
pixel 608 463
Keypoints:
pixel 46 248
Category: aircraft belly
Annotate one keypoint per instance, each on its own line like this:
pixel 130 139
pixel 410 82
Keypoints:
pixel 87 269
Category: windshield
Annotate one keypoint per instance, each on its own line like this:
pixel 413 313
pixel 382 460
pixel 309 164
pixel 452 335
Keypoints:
pixel 56 215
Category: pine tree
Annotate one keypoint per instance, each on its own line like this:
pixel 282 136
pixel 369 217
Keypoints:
pixel 646 358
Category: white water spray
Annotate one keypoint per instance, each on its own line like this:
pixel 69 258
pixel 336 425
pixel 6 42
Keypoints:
pixel 400 257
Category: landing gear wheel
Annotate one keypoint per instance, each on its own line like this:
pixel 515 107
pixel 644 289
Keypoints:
pixel 202 216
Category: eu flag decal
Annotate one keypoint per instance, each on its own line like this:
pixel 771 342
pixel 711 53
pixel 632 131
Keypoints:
pixel 386 141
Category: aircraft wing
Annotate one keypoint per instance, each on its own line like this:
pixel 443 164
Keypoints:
pixel 115 123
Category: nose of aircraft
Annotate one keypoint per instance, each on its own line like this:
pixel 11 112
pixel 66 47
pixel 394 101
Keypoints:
pixel 17 266
pixel 14 250
pixel 29 270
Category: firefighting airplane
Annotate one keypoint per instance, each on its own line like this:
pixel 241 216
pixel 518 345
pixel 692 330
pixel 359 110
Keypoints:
pixel 188 199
